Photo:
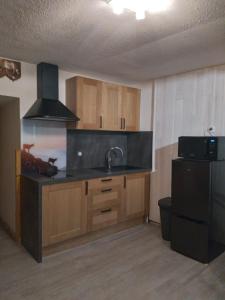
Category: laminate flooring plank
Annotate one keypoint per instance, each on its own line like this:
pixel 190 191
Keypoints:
pixel 132 264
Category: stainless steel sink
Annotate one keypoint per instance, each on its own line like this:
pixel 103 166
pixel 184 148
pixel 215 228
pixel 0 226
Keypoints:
pixel 116 169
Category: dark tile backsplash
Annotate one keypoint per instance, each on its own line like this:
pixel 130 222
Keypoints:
pixel 93 146
pixel 137 148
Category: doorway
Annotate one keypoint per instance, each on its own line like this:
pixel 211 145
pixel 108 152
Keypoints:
pixel 9 145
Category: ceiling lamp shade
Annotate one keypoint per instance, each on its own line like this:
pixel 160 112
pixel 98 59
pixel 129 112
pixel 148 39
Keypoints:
pixel 140 7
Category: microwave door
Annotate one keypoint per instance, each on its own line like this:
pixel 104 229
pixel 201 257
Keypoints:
pixel 199 149
pixel 193 148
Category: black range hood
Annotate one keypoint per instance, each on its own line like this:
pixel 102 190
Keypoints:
pixel 47 107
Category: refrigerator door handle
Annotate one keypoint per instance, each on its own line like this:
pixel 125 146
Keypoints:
pixel 190 219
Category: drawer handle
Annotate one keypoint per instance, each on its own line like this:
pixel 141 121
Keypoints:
pixel 121 124
pixel 105 180
pixel 106 190
pixel 101 121
pixel 107 210
pixel 86 187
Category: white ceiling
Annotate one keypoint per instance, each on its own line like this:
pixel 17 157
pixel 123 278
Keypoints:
pixel 84 35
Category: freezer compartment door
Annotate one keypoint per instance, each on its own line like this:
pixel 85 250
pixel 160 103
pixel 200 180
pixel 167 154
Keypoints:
pixel 191 189
pixel 190 238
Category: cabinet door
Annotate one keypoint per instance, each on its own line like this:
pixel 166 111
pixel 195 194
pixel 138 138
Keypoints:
pixel 111 106
pixel 136 195
pixel 83 97
pixel 64 212
pixel 131 109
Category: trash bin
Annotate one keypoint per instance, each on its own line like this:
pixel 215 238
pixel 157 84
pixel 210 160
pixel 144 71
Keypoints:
pixel 165 217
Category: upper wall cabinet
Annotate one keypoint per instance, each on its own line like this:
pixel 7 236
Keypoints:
pixel 104 106
pixel 111 106
pixel 83 97
pixel 131 108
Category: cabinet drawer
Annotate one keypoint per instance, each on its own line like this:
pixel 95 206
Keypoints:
pixel 100 183
pixel 107 196
pixel 104 217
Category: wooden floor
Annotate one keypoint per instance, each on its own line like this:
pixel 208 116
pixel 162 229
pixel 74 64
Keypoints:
pixel 134 264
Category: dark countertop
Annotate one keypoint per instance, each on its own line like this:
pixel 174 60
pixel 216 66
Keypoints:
pixel 80 174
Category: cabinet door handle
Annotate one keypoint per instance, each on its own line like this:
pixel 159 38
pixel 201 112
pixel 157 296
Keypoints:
pixel 106 190
pixel 86 187
pixel 121 123
pixel 125 182
pixel 105 180
pixel 107 210
pixel 101 122
pixel 124 123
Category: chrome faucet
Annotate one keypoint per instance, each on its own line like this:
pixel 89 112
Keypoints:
pixel 109 157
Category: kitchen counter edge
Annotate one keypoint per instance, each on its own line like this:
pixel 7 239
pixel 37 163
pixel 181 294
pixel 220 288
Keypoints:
pixel 79 175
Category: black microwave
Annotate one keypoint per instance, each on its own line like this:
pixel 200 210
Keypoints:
pixel 201 147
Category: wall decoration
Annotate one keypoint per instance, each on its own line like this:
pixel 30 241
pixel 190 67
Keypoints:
pixel 10 68
pixel 49 140
pixel 32 164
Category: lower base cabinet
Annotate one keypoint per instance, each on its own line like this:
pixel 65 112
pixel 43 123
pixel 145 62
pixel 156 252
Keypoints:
pixel 137 190
pixel 64 210
pixel 72 209
pixel 105 198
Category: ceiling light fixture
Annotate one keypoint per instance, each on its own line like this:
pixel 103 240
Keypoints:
pixel 140 7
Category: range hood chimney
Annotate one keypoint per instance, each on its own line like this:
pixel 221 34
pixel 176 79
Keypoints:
pixel 47 107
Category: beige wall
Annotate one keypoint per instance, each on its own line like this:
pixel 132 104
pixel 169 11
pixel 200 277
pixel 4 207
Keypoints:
pixel 185 104
pixel 49 138
pixel 146 118
pixel 26 87
pixel 9 142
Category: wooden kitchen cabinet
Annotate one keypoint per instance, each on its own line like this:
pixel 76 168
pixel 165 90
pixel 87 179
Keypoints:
pixel 137 194
pixel 65 212
pixel 83 98
pixel 64 209
pixel 131 109
pixel 111 106
pixel 103 106
pixel 105 198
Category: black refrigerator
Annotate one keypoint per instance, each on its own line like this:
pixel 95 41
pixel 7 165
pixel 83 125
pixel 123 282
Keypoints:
pixel 198 208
